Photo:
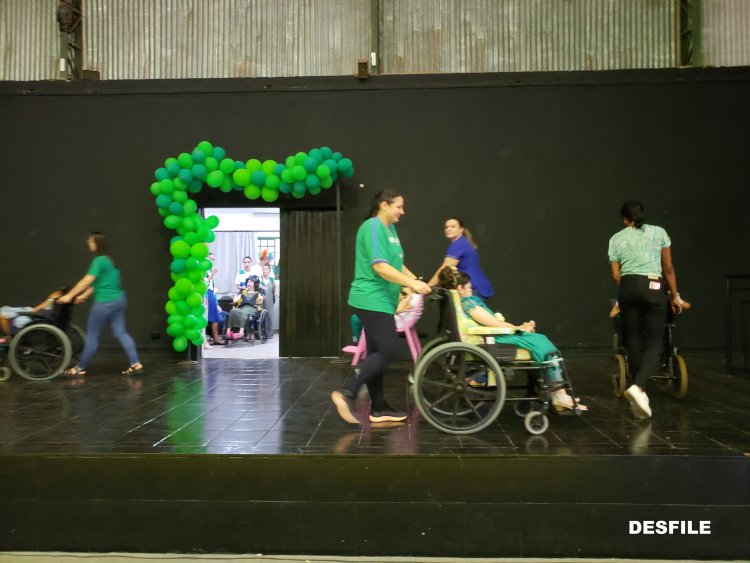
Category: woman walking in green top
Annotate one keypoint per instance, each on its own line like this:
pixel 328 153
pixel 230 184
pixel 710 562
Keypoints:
pixel 379 273
pixel 640 256
pixel 103 280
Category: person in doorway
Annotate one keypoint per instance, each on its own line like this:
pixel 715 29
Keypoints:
pixel 271 293
pixel 640 258
pixel 110 302
pixel 379 273
pixel 462 253
pixel 213 311
pixel 248 269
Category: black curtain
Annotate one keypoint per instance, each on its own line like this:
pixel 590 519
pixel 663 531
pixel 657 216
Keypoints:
pixel 310 308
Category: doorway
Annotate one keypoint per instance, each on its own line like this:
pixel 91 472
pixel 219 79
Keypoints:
pixel 253 233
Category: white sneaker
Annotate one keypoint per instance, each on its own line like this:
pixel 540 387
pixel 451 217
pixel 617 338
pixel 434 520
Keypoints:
pixel 638 400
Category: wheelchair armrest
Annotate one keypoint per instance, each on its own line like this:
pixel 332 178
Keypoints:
pixel 489 330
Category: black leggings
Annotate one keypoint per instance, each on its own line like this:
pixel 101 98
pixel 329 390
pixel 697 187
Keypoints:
pixel 383 347
pixel 644 313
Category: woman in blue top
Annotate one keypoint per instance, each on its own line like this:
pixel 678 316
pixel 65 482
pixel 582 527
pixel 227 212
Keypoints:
pixel 462 253
pixel 641 260
pixel 379 274
pixel 103 280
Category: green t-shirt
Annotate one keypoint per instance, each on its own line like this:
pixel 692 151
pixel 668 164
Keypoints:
pixel 107 283
pixel 375 243
pixel 638 251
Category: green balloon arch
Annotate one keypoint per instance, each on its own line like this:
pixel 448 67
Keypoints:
pixel 298 175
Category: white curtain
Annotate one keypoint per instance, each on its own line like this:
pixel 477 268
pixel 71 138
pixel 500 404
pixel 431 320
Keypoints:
pixel 230 247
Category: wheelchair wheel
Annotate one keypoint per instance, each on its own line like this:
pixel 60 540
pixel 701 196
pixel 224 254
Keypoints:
pixel 4 373
pixel 536 422
pixel 619 375
pixel 678 376
pixel 264 326
pixel 444 397
pixel 77 338
pixel 430 345
pixel 39 352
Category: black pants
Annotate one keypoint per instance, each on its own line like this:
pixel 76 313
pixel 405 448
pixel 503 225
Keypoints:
pixel 644 312
pixel 383 347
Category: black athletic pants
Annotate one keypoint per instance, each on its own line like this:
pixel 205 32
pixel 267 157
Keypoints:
pixel 383 347
pixel 643 305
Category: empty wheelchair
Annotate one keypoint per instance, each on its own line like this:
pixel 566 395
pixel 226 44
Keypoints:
pixel 674 373
pixel 45 347
pixel 465 352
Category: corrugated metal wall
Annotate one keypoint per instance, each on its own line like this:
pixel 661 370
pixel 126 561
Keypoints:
pixel 29 40
pixel 225 38
pixel 526 35
pixel 142 39
pixel 725 33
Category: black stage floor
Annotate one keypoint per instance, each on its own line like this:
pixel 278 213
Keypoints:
pixel 233 456
pixel 282 406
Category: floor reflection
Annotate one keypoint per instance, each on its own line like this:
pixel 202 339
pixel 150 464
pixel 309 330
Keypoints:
pixel 282 406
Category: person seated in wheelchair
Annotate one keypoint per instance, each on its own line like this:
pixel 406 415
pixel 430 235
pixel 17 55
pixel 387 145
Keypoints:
pixel 525 336
pixel 13 319
pixel 246 310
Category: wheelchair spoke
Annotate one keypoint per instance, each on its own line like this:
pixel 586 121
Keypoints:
pixel 442 399
pixel 472 407
pixel 441 384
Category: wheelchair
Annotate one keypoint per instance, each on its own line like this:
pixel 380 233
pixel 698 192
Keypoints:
pixel 258 325
pixel 674 373
pixel 442 389
pixel 45 347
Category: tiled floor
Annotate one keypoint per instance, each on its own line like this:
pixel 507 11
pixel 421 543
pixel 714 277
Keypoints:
pixel 273 406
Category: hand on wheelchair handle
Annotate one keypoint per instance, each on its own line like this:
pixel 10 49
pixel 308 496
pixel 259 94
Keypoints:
pixel 80 299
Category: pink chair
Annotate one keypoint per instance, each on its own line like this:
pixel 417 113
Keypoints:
pixel 407 326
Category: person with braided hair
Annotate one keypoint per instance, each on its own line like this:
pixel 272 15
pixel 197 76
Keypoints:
pixel 525 336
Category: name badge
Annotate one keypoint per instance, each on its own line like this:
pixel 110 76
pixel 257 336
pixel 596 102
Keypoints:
pixel 654 285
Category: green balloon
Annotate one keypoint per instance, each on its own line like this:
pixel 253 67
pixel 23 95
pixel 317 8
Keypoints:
pixel 189 208
pixel 201 287
pixel 172 221
pixel 202 321
pixel 166 186
pixel 291 162
pixel 193 300
pixel 174 319
pixel 189 224
pixel 273 182
pixel 315 190
pixel 175 329
pixel 198 311
pixel 300 157
pixel 312 182
pixel 184 287
pixel 171 307
pixel 241 177
pixel 323 171
pixel 182 308
pixel 211 164
pixel 212 221
pixel 180 344
pixel 252 191
pixel 269 195
pixel 155 188
pixel 203 234
pixel 199 251
pixel 226 165
pixel 185 160
pixel 179 249
pixel 215 178
pixel 179 185
pixel 299 172
pixel 326 183
pixel 287 176
pixel 205 146
pixel 190 321
pixel 252 165
pixel 191 263
pixel 192 334
pixel 179 196
pixel 268 166
pixel 227 185
pixel 191 238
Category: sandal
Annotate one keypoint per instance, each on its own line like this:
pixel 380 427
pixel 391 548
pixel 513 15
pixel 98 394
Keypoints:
pixel 562 402
pixel 75 371
pixel 135 369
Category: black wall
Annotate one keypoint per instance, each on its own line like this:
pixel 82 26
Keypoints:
pixel 536 164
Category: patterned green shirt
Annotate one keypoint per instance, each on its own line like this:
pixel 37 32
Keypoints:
pixel 638 251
